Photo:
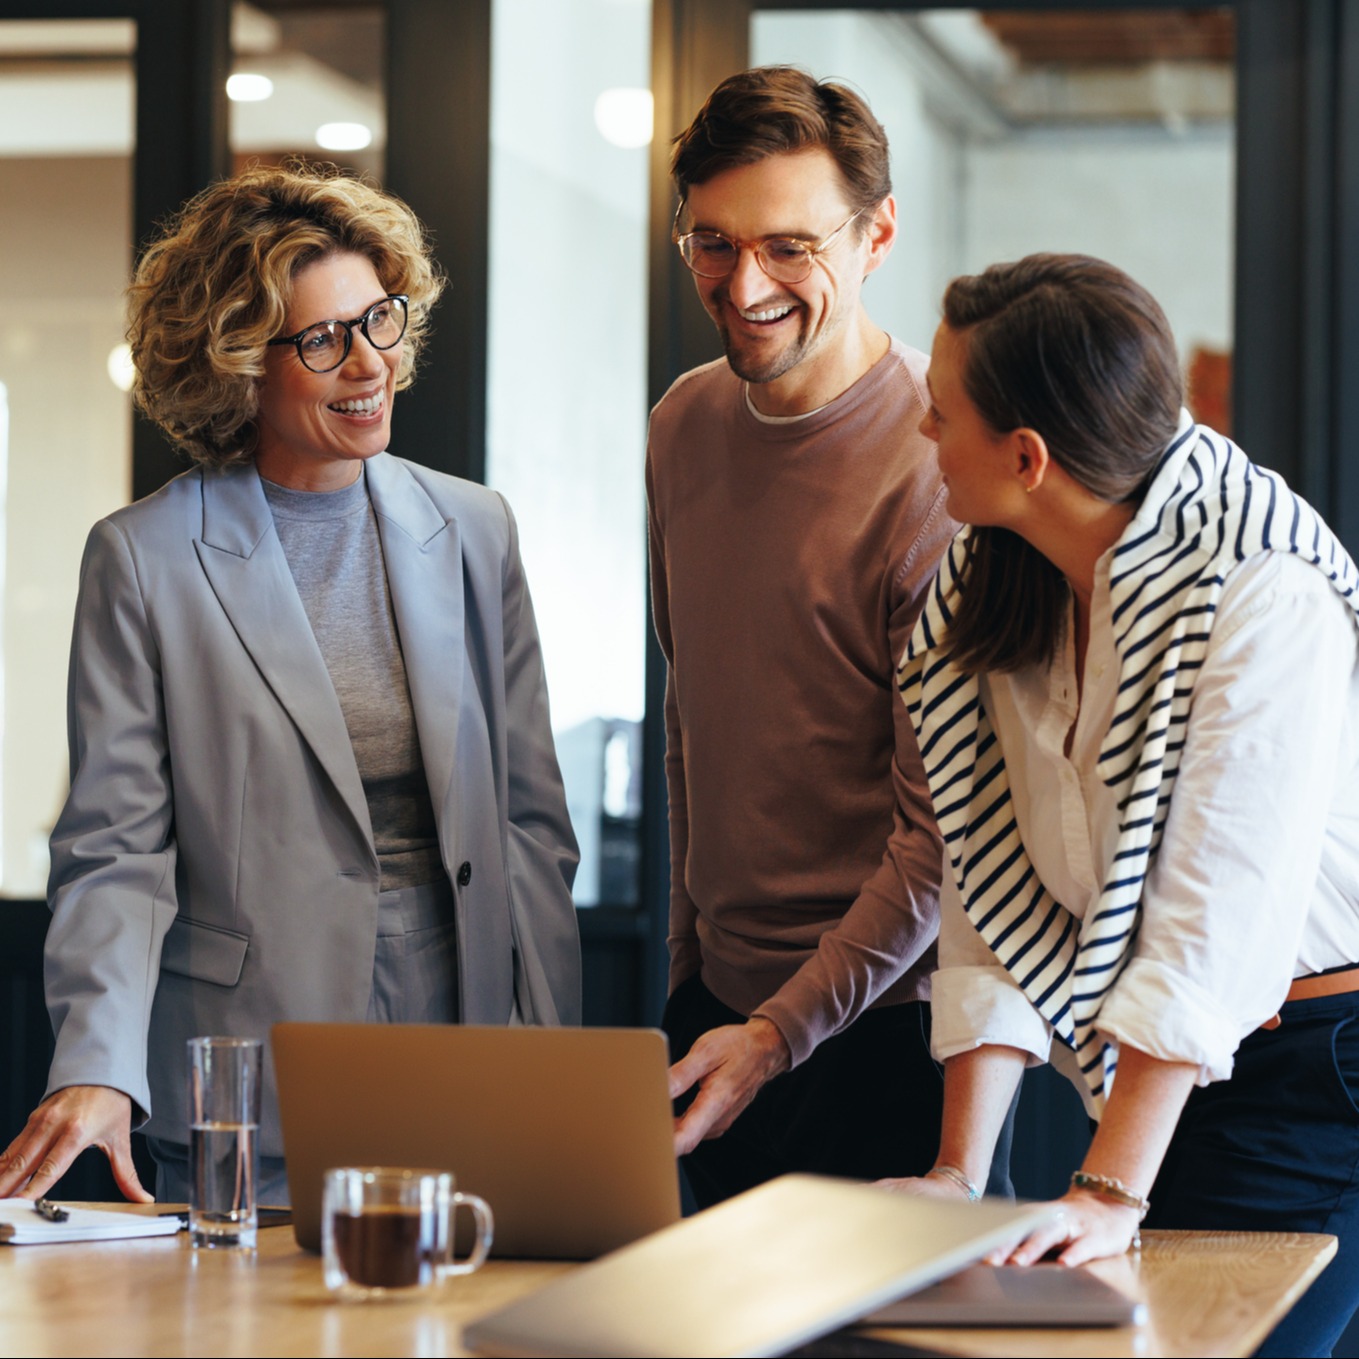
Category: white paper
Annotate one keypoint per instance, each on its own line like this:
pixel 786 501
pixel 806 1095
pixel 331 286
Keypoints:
pixel 21 1225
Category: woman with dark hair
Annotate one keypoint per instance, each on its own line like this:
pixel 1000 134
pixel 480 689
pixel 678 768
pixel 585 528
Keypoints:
pixel 312 773
pixel 1135 689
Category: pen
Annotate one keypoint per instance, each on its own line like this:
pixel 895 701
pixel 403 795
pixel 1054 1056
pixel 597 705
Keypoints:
pixel 47 1209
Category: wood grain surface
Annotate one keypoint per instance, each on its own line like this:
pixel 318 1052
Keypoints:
pixel 1209 1293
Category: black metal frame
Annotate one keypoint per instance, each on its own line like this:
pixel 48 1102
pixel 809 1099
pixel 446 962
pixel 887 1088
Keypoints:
pixel 439 161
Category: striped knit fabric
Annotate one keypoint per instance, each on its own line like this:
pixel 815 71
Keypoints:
pixel 1208 508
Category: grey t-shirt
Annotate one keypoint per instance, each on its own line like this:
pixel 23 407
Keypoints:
pixel 330 539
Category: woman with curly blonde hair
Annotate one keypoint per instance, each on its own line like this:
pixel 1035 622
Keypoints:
pixel 312 773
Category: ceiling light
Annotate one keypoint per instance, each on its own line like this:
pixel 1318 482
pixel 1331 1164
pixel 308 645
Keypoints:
pixel 247 87
pixel 120 368
pixel 624 116
pixel 343 136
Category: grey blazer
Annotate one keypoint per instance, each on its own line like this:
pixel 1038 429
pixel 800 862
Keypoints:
pixel 213 871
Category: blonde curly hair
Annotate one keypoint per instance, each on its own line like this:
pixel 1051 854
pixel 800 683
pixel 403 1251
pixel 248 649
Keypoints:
pixel 214 289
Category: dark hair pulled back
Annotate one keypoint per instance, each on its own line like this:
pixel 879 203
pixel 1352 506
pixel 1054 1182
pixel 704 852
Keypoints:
pixel 1072 348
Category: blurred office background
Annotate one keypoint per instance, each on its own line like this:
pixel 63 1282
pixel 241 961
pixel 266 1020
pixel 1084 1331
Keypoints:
pixel 1209 149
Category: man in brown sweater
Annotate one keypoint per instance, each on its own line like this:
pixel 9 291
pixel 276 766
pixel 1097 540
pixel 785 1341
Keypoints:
pixel 796 518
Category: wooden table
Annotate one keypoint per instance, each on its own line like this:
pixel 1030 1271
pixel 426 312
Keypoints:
pixel 1210 1293
pixel 1207 1293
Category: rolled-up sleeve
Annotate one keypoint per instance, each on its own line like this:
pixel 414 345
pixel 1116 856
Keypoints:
pixel 976 1002
pixel 1268 742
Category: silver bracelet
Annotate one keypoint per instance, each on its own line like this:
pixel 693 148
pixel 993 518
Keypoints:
pixel 956 1176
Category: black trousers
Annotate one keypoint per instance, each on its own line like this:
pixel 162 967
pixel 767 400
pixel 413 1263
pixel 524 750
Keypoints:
pixel 866 1104
pixel 1276 1148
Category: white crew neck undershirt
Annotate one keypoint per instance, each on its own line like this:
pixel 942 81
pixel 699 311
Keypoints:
pixel 777 419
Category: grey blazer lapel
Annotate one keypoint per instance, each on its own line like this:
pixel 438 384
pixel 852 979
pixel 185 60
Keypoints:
pixel 422 552
pixel 244 563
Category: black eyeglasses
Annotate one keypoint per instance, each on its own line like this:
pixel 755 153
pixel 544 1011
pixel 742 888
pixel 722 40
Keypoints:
pixel 326 344
pixel 786 259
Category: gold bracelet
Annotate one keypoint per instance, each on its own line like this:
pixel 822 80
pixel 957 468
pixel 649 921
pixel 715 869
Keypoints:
pixel 958 1177
pixel 1109 1188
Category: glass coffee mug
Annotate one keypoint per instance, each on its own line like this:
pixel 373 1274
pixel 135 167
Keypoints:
pixel 388 1230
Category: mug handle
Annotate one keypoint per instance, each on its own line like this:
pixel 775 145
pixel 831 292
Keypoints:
pixel 485 1231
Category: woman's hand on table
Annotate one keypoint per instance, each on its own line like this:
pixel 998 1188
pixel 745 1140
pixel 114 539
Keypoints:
pixel 1088 1228
pixel 927 1186
pixel 59 1129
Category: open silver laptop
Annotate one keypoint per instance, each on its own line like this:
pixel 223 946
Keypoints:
pixel 566 1133
pixel 759 1274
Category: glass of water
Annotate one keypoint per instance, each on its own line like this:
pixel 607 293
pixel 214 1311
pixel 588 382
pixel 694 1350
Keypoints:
pixel 224 1123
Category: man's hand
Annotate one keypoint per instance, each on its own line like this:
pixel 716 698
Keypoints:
pixel 729 1064
pixel 59 1129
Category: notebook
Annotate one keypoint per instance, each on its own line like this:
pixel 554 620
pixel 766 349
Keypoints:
pixel 759 1274
pixel 567 1133
pixel 21 1224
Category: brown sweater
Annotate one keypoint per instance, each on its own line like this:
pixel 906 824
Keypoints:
pixel 789 562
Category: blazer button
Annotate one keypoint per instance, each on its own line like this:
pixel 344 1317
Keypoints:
pixel 464 874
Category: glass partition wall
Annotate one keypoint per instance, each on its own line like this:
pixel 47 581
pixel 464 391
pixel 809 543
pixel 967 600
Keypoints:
pixel 993 156
pixel 67 95
pixel 304 83
pixel 1100 131
pixel 309 81
pixel 566 399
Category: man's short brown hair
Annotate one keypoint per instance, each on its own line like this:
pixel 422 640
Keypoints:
pixel 770 110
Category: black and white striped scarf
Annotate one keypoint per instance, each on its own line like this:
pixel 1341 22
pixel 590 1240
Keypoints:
pixel 1208 508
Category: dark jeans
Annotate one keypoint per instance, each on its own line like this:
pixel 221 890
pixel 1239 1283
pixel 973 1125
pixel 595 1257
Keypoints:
pixel 866 1104
pixel 1276 1149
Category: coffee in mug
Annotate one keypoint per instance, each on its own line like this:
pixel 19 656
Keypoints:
pixel 389 1230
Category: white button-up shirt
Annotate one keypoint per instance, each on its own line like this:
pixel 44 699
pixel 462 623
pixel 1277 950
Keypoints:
pixel 1257 879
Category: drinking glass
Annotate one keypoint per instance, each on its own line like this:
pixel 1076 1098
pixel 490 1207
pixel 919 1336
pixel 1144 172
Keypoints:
pixel 224 1156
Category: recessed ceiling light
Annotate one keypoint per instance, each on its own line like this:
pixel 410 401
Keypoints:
pixel 343 136
pixel 120 368
pixel 247 87
pixel 624 116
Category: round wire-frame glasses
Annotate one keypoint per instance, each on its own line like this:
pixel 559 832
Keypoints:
pixel 786 259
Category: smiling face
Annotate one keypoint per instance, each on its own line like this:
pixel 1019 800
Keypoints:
pixel 803 343
pixel 975 461
pixel 315 429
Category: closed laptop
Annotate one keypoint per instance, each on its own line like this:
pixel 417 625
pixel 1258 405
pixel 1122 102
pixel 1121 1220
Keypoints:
pixel 757 1275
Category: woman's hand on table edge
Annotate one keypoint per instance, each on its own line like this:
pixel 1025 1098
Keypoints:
pixel 1087 1227
pixel 59 1129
